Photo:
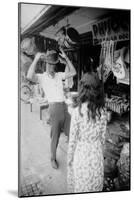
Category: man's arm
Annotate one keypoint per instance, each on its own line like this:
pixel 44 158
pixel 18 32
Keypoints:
pixel 72 71
pixel 32 68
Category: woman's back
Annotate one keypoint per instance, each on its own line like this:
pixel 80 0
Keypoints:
pixel 89 129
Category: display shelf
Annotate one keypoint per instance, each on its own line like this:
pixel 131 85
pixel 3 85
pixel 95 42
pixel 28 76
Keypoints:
pixel 125 81
pixel 117 105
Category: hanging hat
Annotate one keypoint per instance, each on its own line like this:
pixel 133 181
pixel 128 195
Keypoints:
pixel 72 36
pixel 68 37
pixel 52 57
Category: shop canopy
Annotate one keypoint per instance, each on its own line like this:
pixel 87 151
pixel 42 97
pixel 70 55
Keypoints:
pixel 50 15
pixel 52 18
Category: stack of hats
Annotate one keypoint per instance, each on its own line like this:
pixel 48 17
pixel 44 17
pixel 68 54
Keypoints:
pixel 28 46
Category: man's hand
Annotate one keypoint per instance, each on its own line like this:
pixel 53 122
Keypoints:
pixel 62 54
pixel 72 71
pixel 39 55
pixel 62 60
pixel 31 71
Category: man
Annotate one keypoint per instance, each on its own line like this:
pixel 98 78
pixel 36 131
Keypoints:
pixel 52 85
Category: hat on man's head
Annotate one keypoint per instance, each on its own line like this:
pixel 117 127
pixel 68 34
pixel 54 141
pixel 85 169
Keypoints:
pixel 52 57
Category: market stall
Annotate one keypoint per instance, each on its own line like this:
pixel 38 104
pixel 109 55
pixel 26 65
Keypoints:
pixel 114 68
pixel 101 44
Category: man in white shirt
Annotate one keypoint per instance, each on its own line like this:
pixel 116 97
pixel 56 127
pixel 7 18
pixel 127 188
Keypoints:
pixel 52 84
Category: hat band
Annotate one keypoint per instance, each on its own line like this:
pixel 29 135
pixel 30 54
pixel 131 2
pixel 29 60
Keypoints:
pixel 51 61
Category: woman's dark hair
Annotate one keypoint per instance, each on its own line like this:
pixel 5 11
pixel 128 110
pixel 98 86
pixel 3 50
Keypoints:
pixel 89 66
pixel 91 91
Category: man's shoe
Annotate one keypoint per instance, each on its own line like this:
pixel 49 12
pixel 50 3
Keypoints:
pixel 54 164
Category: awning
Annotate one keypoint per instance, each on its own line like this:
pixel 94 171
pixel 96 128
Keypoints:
pixel 50 17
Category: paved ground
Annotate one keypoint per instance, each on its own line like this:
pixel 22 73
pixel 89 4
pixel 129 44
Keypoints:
pixel 37 175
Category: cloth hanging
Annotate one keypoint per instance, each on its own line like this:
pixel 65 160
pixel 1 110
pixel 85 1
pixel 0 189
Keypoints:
pixel 68 82
pixel 118 68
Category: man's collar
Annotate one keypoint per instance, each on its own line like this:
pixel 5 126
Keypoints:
pixel 50 76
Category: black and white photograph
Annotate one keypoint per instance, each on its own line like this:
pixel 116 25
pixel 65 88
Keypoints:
pixel 74 99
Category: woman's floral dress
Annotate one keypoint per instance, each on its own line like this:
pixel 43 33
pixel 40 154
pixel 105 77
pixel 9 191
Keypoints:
pixel 85 162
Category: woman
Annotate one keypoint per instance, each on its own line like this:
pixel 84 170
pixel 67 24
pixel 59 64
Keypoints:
pixel 87 137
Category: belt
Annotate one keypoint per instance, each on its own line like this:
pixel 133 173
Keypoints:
pixel 52 103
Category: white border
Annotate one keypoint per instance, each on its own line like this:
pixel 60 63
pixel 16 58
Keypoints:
pixel 9 97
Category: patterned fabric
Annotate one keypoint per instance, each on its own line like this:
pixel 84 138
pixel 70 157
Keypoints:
pixel 124 165
pixel 85 161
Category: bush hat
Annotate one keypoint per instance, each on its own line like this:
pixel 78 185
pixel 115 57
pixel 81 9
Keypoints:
pixel 52 57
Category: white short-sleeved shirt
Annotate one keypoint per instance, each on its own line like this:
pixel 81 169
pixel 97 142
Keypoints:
pixel 53 87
